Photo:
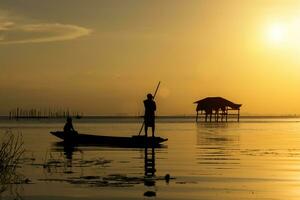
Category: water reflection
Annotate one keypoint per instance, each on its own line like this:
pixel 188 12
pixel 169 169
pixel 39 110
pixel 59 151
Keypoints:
pixel 149 171
pixel 218 146
pixel 72 165
pixel 68 151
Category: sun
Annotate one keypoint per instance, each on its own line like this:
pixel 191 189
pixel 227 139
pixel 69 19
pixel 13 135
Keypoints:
pixel 276 33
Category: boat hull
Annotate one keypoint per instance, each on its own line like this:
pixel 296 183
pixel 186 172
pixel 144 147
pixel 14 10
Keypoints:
pixel 86 139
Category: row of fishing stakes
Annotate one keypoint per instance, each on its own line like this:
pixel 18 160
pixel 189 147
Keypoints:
pixel 19 113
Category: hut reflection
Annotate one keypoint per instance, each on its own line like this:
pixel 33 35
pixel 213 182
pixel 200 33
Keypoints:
pixel 218 146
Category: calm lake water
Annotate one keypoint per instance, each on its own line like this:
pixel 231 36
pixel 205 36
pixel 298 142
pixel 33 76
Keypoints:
pixel 254 159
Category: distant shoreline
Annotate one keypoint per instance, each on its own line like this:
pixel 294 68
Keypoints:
pixel 159 117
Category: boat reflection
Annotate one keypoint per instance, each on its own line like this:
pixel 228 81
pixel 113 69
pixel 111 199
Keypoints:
pixel 75 165
pixel 69 150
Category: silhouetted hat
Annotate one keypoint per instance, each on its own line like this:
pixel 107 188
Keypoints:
pixel 149 96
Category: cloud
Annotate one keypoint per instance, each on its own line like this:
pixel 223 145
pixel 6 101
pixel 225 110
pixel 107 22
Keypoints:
pixel 22 32
pixel 5 25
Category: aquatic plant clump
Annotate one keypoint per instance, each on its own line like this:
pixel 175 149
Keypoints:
pixel 11 150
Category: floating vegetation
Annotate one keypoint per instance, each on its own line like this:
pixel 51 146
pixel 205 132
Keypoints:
pixel 57 162
pixel 96 162
pixel 111 180
pixel 70 169
pixel 150 194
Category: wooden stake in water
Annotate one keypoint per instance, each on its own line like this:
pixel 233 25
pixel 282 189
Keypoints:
pixel 153 98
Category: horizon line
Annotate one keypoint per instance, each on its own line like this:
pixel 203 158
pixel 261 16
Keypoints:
pixel 162 116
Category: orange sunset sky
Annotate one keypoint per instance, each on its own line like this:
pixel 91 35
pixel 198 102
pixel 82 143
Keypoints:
pixel 101 57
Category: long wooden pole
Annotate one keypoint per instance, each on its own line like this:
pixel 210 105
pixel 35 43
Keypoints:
pixel 153 98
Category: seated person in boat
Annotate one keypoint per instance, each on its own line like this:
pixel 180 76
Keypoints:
pixel 149 117
pixel 68 128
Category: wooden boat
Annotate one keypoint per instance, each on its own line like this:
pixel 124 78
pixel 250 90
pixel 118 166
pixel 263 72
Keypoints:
pixel 86 139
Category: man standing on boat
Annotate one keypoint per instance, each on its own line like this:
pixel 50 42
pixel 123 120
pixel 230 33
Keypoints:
pixel 149 117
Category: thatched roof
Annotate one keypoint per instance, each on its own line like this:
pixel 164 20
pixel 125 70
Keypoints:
pixel 216 103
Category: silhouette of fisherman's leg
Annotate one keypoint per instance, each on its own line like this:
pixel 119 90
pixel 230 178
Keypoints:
pixel 146 130
pixel 153 130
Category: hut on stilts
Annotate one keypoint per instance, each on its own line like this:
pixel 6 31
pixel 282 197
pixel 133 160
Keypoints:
pixel 217 107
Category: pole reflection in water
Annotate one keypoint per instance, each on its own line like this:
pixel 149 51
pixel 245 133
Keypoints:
pixel 150 170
